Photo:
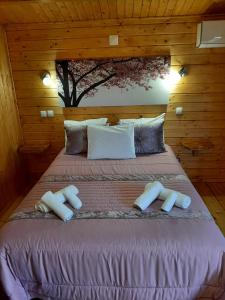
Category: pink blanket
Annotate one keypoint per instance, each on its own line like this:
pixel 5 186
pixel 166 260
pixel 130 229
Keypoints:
pixel 176 256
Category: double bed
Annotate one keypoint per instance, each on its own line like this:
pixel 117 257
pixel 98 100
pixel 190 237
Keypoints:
pixel 110 250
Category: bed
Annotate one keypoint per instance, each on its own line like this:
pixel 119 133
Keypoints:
pixel 110 250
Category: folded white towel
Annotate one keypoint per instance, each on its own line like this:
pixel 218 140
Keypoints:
pixel 40 206
pixel 60 209
pixel 151 192
pixel 182 201
pixel 169 202
pixel 70 192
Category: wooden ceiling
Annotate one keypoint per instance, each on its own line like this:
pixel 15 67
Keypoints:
pixel 36 11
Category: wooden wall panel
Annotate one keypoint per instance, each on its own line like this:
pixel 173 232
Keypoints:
pixel 10 132
pixel 34 47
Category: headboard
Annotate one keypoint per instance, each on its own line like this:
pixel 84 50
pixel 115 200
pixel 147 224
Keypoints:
pixel 114 113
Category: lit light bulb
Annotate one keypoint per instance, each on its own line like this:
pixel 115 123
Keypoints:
pixel 171 80
pixel 46 79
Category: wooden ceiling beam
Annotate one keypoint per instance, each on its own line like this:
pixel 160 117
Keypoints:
pixel 39 11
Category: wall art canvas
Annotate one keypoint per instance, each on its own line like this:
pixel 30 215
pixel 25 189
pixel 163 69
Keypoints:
pixel 113 82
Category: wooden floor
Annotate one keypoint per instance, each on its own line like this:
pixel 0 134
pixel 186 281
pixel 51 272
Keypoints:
pixel 213 194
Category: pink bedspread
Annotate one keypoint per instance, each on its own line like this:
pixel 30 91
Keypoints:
pixel 174 258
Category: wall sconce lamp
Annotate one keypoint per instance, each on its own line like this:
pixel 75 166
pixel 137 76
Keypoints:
pixel 183 71
pixel 46 78
pixel 174 77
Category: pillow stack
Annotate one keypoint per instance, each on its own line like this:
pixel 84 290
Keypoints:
pixel 76 134
pixel 123 141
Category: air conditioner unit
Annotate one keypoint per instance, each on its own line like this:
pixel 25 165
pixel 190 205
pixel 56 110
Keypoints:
pixel 211 34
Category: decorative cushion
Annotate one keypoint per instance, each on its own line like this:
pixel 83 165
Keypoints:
pixel 113 142
pixel 149 138
pixel 76 134
pixel 76 139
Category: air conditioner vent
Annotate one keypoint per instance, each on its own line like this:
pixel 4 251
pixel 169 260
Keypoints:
pixel 211 34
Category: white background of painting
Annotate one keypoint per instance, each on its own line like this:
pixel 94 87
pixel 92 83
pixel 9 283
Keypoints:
pixel 135 95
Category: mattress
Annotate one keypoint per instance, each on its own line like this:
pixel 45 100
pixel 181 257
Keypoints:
pixel 109 250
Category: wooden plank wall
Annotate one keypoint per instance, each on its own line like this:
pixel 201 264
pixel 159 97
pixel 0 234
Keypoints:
pixel 10 132
pixel 34 47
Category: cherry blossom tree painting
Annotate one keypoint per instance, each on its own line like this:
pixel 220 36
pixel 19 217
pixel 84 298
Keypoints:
pixel 80 80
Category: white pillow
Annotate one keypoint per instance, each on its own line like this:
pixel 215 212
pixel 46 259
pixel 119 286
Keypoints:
pixel 114 142
pixel 129 121
pixel 100 121
pixel 142 121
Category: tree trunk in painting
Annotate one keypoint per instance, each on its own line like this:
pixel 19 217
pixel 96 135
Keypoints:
pixel 64 78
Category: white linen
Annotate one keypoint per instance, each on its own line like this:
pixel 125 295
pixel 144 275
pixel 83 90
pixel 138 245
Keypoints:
pixel 113 142
pixel 142 121
pixel 169 202
pixel 99 121
pixel 182 201
pixel 70 192
pixel 60 209
pixel 150 194
pixel 40 206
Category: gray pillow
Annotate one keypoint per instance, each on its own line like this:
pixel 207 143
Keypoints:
pixel 76 139
pixel 149 138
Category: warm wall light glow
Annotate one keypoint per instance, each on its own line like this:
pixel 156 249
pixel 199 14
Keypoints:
pixel 46 79
pixel 171 80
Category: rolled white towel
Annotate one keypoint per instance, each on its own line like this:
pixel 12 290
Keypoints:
pixel 60 209
pixel 71 188
pixel 182 201
pixel 40 206
pixel 150 194
pixel 70 192
pixel 169 202
pixel 60 197
pixel 149 185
